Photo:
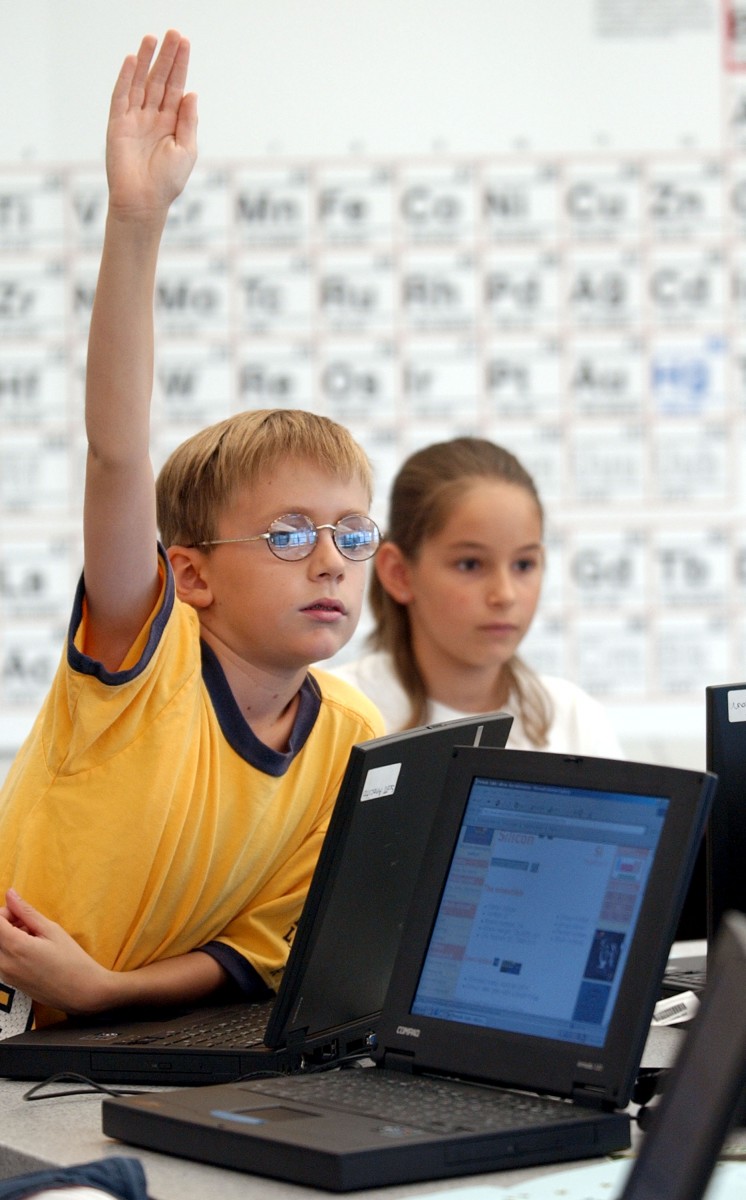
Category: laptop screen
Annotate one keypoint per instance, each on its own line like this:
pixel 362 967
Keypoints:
pixel 726 830
pixel 539 907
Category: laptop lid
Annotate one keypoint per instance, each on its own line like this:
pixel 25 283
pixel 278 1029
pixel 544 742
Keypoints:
pixel 678 1154
pixel 725 706
pixel 349 930
pixel 329 998
pixel 542 920
pixel 716 883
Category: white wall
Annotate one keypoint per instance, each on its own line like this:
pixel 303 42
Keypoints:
pixel 392 77
pixel 441 92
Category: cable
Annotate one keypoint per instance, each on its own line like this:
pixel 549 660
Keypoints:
pixel 92 1087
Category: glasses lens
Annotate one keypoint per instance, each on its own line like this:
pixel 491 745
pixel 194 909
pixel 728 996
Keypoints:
pixel 292 536
pixel 356 536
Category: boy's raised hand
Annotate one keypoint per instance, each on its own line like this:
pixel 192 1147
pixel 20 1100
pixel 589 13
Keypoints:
pixel 151 142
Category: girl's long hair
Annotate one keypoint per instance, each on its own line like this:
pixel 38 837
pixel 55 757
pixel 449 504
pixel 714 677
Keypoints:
pixel 424 493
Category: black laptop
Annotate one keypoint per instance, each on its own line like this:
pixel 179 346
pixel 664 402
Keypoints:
pixel 724 849
pixel 520 1000
pixel 340 962
pixel 701 1099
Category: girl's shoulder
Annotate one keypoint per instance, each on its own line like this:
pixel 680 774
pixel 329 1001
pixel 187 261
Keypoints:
pixel 564 691
pixel 374 675
pixel 580 723
pixel 369 670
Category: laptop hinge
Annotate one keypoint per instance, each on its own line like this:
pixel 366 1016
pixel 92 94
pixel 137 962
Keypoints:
pixel 395 1060
pixel 590 1097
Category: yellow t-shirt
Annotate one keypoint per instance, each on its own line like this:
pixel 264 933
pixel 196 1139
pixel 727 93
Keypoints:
pixel 143 815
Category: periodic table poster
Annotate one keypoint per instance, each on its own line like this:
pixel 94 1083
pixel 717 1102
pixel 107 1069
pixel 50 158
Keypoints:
pixel 521 221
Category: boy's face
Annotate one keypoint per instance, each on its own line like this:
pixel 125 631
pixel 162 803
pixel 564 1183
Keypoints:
pixel 274 613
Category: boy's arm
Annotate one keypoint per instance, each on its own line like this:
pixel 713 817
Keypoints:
pixel 150 152
pixel 39 958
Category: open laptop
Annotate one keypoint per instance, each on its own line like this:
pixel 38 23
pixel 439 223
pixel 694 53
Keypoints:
pixel 520 1000
pixel 700 1102
pixel 340 961
pixel 724 850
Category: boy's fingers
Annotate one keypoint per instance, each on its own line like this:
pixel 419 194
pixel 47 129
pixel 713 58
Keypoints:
pixel 186 123
pixel 120 95
pixel 161 69
pixel 140 75
pixel 177 77
pixel 21 910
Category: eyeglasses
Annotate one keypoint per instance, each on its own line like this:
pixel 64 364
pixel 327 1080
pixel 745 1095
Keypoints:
pixel 294 536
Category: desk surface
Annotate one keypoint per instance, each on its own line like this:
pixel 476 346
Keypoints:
pixel 67 1130
pixel 64 1130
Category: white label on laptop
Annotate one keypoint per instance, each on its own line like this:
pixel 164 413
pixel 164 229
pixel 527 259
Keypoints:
pixel 381 781
pixel 737 705
pixel 15 1011
pixel 674 1009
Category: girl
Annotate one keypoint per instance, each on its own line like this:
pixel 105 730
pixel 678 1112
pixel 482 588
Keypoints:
pixel 455 589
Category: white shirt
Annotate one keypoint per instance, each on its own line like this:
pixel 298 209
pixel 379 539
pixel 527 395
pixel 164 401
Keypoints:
pixel 579 726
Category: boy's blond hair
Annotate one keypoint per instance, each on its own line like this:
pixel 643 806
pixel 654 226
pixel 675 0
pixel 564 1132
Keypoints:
pixel 201 477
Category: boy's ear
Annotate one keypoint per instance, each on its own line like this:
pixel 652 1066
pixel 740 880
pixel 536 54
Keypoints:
pixel 190 578
pixel 393 572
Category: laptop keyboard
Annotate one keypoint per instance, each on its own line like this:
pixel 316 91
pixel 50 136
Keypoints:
pixel 237 1028
pixel 684 981
pixel 436 1105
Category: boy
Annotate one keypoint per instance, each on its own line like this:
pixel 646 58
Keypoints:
pixel 166 812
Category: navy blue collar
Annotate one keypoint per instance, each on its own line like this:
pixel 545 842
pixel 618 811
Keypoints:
pixel 238 732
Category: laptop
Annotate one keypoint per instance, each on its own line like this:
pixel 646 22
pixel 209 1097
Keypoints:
pixel 520 999
pixel 678 1154
pixel 724 848
pixel 340 961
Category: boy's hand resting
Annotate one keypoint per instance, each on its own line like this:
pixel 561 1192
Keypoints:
pixel 39 958
pixel 151 141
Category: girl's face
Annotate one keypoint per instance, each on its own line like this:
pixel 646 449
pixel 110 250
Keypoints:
pixel 473 589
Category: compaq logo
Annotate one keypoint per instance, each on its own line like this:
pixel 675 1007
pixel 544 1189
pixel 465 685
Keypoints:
pixel 407 1031
pixel 737 705
pixel 589 1066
